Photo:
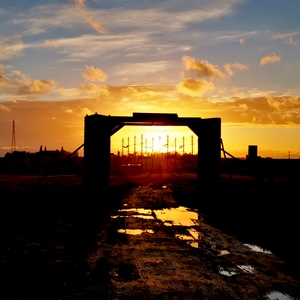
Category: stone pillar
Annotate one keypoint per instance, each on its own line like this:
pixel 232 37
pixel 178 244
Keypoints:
pixel 96 152
pixel 209 151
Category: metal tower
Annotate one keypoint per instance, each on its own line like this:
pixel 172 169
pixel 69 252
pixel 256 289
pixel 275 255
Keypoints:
pixel 13 138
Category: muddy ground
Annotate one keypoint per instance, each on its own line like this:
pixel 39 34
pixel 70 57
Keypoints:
pixel 149 237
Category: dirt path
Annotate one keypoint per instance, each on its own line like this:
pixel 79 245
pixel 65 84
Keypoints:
pixel 163 253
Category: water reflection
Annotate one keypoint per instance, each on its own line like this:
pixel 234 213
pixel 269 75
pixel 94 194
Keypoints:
pixel 179 216
pixel 137 210
pixel 135 231
pixel 275 295
pixel 193 244
pixel 258 249
pixel 137 213
pixel 247 268
pixel 134 216
pixel 223 252
pixel 229 273
pixel 232 271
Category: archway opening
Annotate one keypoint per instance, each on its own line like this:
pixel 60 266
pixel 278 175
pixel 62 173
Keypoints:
pixel 97 145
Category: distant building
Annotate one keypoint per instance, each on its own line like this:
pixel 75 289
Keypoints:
pixel 252 152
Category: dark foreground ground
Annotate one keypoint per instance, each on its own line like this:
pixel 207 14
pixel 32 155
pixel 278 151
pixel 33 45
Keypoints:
pixel 48 232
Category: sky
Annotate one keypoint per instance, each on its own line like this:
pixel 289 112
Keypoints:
pixel 237 60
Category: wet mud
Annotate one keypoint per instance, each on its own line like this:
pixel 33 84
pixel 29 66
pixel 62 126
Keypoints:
pixel 162 238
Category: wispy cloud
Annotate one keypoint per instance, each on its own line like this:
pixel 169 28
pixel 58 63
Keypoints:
pixel 44 18
pixel 288 38
pixel 291 41
pixel 79 3
pixel 4 108
pixel 11 46
pixel 177 16
pixel 229 68
pixel 270 59
pixel 90 18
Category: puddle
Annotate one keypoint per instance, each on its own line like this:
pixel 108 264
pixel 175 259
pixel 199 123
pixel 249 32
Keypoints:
pixel 247 268
pixel 140 213
pixel 137 210
pixel 179 216
pixel 275 295
pixel 232 271
pixel 195 234
pixel 134 216
pixel 258 249
pixel 135 231
pixel 193 244
pixel 223 252
pixel 184 237
pixel 226 272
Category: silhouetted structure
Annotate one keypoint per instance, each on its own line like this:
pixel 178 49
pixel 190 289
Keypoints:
pixel 99 129
pixel 252 152
pixel 13 138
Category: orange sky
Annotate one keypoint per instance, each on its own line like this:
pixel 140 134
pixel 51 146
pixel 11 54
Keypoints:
pixel 237 60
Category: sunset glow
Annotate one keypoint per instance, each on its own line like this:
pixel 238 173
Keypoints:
pixel 237 60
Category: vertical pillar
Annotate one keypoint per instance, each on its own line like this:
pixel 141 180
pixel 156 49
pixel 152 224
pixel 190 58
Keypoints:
pixel 96 152
pixel 209 152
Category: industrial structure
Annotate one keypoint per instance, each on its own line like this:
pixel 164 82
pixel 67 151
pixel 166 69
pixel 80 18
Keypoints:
pixel 13 146
pixel 98 130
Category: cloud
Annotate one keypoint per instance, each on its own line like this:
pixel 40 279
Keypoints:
pixel 3 78
pixel 11 46
pixel 94 89
pixel 269 59
pixel 288 38
pixel 42 18
pixel 265 110
pixel 291 41
pixel 94 74
pixel 18 83
pixel 4 108
pixel 144 68
pixel 79 3
pixel 61 122
pixel 50 43
pixel 202 68
pixel 229 68
pixel 39 87
pixel 96 24
pixel 194 87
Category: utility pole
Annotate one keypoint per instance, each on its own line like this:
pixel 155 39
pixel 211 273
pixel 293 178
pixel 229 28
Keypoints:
pixel 13 138
pixel 142 146
pixel 128 147
pixel 134 144
pixel 152 156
